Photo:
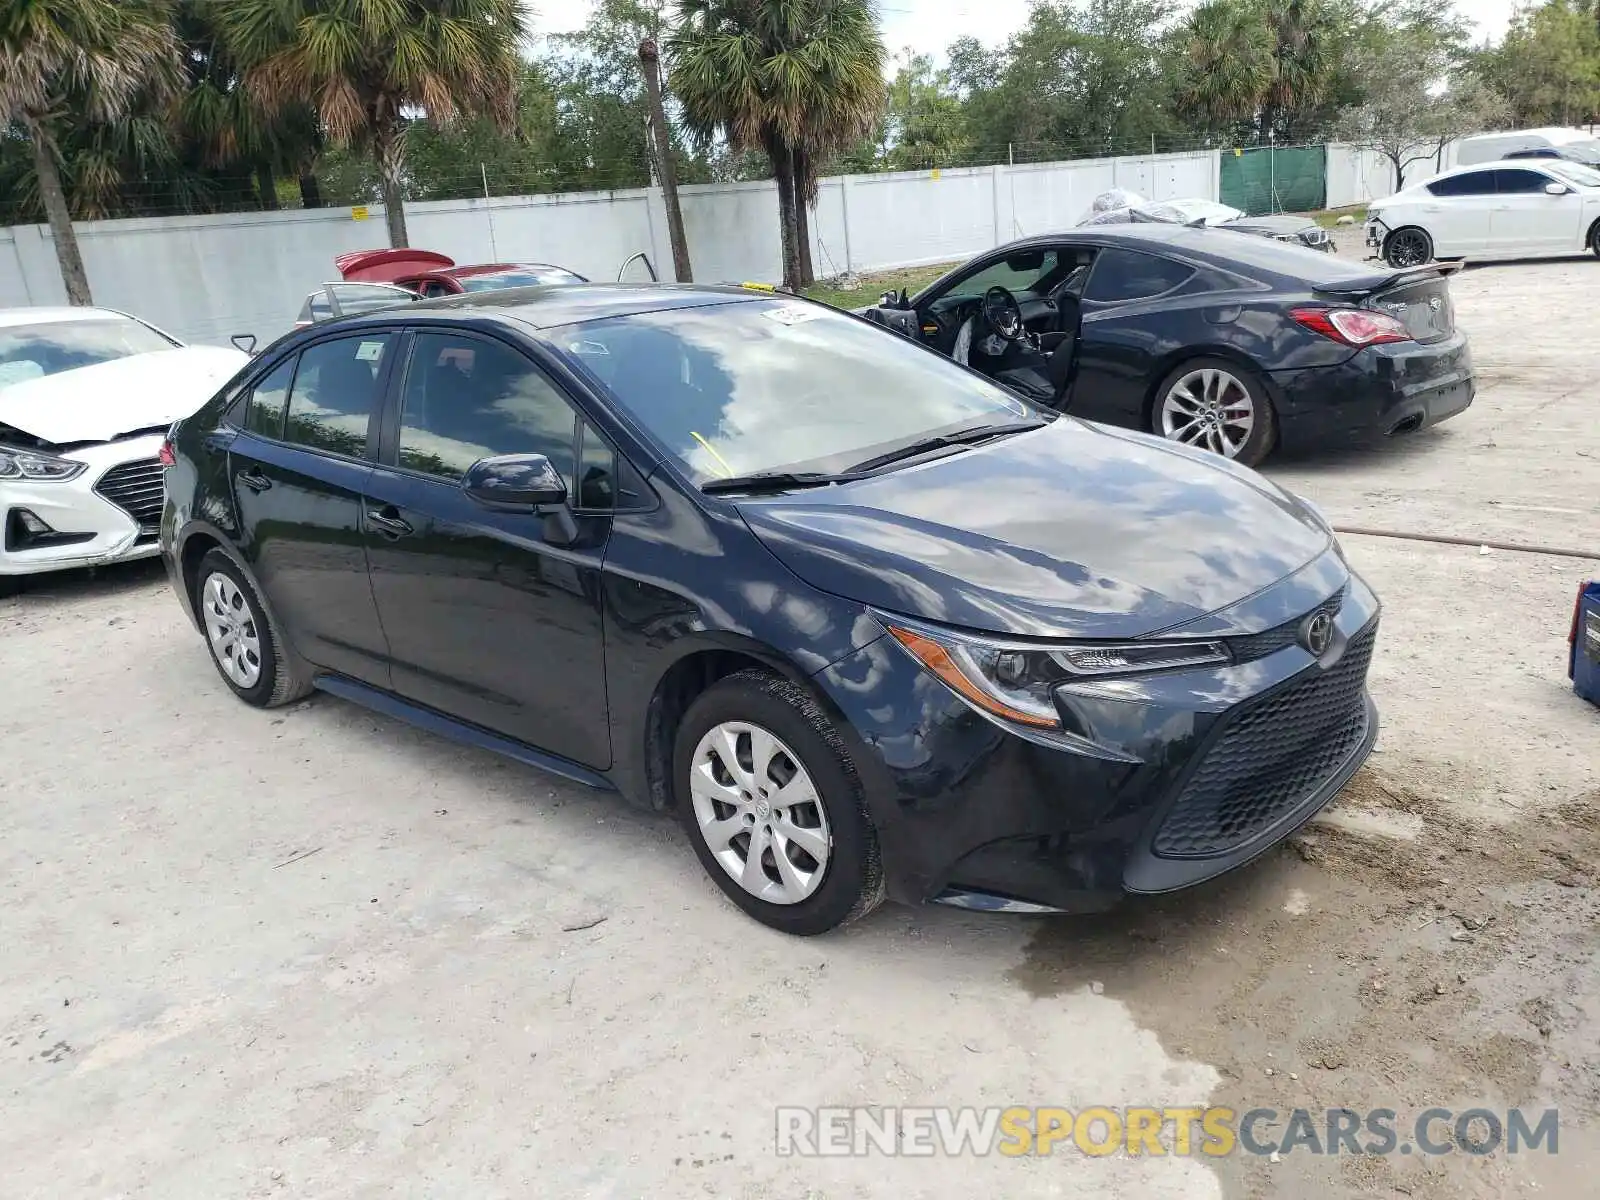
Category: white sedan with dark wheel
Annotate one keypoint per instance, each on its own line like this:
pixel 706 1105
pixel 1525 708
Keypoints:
pixel 1519 208
pixel 86 395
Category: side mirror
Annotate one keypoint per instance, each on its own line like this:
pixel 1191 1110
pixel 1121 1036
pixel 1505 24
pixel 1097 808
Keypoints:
pixel 524 483
pixel 245 342
pixel 1556 189
pixel 514 483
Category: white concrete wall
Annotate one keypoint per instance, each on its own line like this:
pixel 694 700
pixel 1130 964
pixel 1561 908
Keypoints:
pixel 1356 176
pixel 205 277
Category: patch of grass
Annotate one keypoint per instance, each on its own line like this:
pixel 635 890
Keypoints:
pixel 869 287
pixel 1329 217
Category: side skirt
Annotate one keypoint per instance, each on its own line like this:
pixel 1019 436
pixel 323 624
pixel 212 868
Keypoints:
pixel 458 731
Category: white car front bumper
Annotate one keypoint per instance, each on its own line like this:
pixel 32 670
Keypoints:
pixel 108 514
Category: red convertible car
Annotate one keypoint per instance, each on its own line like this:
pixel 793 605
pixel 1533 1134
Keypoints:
pixel 431 274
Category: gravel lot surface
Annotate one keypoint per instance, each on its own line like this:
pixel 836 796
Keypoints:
pixel 313 953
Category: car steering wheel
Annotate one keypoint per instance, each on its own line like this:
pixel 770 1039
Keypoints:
pixel 1002 313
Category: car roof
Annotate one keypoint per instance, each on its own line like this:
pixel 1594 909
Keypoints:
pixel 549 306
pixel 42 314
pixel 1556 135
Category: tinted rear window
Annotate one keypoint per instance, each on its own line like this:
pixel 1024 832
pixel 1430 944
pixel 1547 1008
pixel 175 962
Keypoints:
pixel 1473 183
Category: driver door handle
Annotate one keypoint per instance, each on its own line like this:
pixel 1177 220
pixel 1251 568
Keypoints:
pixel 254 480
pixel 393 526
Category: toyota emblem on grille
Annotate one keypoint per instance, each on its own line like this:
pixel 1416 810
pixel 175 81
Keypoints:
pixel 1435 303
pixel 1317 633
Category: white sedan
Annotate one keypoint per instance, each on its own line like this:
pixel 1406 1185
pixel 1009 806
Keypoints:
pixel 86 396
pixel 1517 208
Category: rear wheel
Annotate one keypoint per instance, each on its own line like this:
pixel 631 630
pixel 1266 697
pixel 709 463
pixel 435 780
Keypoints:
pixel 1594 239
pixel 1408 247
pixel 769 797
pixel 245 648
pixel 1218 406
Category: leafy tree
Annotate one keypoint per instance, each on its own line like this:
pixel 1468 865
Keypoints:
pixel 368 65
pixel 799 79
pixel 66 59
pixel 1405 114
pixel 1548 65
pixel 924 124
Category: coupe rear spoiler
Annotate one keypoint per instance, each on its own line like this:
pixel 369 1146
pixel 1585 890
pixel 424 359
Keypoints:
pixel 1382 281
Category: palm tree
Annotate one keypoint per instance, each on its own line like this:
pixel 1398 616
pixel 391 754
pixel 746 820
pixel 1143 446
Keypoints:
pixel 64 61
pixel 1227 64
pixel 1299 31
pixel 369 65
pixel 799 79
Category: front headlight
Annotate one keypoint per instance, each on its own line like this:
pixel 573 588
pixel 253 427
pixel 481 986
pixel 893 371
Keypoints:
pixel 30 464
pixel 1016 681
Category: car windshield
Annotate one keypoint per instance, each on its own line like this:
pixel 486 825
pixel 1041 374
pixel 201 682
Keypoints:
pixel 532 277
pixel 1572 172
pixel 51 347
pixel 779 385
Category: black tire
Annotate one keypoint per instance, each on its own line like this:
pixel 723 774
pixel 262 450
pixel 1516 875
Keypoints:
pixel 278 682
pixel 1264 428
pixel 10 585
pixel 1594 239
pixel 852 878
pixel 1408 247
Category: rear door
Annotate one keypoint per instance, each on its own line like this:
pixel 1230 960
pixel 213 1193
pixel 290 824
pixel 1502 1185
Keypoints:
pixel 297 472
pixel 492 617
pixel 1529 220
pixel 1457 213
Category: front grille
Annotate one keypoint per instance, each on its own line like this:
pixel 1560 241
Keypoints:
pixel 1269 641
pixel 138 489
pixel 1270 757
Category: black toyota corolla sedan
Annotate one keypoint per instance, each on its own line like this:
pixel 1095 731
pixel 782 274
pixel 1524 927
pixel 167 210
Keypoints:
pixel 1239 345
pixel 866 622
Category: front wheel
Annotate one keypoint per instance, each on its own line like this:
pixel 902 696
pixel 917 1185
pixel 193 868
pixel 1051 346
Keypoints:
pixel 1218 406
pixel 1409 247
pixel 769 797
pixel 1594 239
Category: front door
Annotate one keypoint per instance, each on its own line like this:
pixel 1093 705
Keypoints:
pixel 1124 329
pixel 491 617
pixel 298 470
pixel 1529 220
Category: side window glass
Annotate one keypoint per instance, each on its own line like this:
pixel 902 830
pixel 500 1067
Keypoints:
pixel 597 471
pixel 1519 182
pixel 1130 275
pixel 467 399
pixel 335 392
pixel 1473 183
pixel 269 399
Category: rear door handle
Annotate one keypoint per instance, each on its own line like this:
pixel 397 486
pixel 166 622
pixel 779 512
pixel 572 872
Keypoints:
pixel 255 480
pixel 389 526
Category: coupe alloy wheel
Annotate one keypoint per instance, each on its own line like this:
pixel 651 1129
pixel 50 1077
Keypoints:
pixel 759 812
pixel 1209 408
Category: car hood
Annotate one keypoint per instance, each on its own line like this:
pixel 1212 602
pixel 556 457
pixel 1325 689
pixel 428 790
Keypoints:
pixel 102 402
pixel 1272 225
pixel 1072 530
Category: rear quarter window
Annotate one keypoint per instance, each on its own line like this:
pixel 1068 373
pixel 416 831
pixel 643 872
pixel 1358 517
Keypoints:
pixel 1133 275
pixel 1473 183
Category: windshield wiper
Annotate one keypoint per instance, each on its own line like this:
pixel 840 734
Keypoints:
pixel 961 437
pixel 776 481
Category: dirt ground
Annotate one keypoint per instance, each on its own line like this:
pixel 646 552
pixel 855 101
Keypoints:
pixel 313 953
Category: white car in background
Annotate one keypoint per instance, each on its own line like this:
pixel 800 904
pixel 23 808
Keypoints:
pixel 86 397
pixel 1514 208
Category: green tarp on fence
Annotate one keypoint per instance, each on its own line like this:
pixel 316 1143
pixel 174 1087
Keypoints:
pixel 1267 180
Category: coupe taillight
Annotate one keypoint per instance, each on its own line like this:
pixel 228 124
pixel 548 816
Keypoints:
pixel 1352 326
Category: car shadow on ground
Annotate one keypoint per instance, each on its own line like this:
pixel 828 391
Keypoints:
pixel 1382 453
pixel 69 587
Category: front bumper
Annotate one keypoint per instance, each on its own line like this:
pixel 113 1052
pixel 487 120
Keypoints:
pixel 1377 392
pixel 104 515
pixel 1161 781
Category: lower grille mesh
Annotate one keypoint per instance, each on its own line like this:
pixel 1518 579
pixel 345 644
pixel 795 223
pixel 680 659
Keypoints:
pixel 1270 757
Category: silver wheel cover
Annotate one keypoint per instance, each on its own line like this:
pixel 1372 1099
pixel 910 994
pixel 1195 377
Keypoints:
pixel 1211 409
pixel 759 812
pixel 231 630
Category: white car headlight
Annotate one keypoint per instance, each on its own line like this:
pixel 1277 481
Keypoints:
pixel 31 464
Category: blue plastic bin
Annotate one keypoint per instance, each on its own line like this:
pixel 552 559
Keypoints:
pixel 1584 664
